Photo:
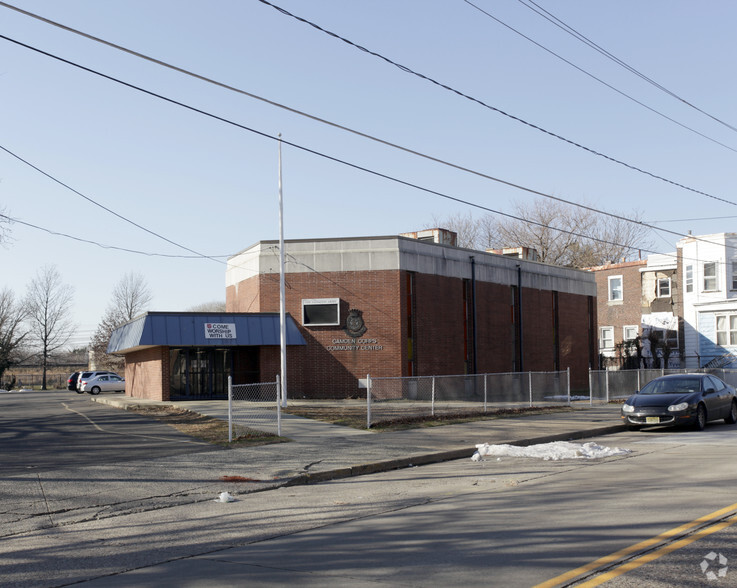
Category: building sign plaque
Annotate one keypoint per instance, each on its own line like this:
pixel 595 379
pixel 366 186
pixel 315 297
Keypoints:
pixel 219 330
pixel 355 345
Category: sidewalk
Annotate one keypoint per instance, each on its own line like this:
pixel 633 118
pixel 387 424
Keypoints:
pixel 320 451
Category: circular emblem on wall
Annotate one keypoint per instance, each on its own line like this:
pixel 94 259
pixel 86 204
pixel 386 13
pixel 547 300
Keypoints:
pixel 354 325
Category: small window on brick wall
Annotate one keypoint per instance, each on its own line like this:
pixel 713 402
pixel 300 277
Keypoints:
pixel 321 312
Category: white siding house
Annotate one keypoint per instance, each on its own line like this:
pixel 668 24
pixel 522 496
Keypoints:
pixel 709 282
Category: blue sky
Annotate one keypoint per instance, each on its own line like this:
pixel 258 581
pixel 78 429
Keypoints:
pixel 212 187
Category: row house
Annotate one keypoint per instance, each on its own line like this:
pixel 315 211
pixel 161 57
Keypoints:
pixel 638 313
pixel 708 269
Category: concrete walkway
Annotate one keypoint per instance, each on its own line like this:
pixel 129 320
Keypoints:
pixel 322 451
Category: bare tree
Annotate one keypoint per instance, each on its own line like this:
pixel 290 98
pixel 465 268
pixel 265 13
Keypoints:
pixel 130 298
pixel 561 234
pixel 213 306
pixel 49 302
pixel 12 331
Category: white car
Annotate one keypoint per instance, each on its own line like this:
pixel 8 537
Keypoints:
pixel 102 383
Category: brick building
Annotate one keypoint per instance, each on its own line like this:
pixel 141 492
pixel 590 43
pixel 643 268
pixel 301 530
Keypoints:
pixel 399 306
pixel 189 355
pixel 379 306
pixel 639 305
pixel 619 290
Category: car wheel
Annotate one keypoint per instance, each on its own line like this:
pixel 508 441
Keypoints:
pixel 95 390
pixel 700 418
pixel 80 391
pixel 732 416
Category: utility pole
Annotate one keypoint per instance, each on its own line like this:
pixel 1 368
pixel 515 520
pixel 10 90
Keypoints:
pixel 282 310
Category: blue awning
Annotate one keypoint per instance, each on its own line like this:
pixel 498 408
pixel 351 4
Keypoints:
pixel 202 329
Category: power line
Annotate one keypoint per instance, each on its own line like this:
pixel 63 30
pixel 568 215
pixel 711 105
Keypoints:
pixel 329 158
pixel 618 91
pixel 333 124
pixel 493 108
pixel 102 245
pixel 574 33
pixel 295 145
pixel 105 208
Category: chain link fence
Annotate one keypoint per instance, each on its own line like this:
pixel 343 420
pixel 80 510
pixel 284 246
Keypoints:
pixel 253 406
pixel 391 399
pixel 616 385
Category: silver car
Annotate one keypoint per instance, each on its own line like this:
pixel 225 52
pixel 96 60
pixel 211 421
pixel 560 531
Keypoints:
pixel 102 383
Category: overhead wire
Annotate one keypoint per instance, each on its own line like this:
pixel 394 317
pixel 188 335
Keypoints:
pixel 615 89
pixel 324 156
pixel 343 127
pixel 105 208
pixel 584 39
pixel 406 69
pixel 102 245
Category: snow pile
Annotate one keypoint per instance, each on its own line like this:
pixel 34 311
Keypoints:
pixel 549 451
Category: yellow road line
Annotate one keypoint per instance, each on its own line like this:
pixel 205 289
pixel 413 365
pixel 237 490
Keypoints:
pixel 622 553
pixel 665 550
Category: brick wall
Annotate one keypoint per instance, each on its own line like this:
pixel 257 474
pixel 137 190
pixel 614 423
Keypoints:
pixel 576 341
pixel 317 371
pixel 147 373
pixel 324 368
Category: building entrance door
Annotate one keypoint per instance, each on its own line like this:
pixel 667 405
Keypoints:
pixel 199 373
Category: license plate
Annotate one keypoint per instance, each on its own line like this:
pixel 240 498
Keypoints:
pixel 652 420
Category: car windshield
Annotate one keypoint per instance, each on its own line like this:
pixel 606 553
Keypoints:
pixel 672 386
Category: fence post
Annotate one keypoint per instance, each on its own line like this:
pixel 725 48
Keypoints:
pixel 278 406
pixel 230 409
pixel 485 390
pixel 368 401
pixel 568 383
pixel 529 385
pixel 639 386
pixel 591 387
pixel 606 377
pixel 432 400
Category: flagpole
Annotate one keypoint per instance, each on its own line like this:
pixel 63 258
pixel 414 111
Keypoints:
pixel 282 311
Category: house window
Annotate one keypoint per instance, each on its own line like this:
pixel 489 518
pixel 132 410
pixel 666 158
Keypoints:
pixel 710 276
pixel 663 287
pixel 734 275
pixel 658 335
pixel 606 338
pixel 630 332
pixel 689 278
pixel 726 329
pixel 615 288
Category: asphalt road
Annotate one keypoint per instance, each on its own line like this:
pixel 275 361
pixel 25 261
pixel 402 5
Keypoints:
pixel 663 509
pixel 48 430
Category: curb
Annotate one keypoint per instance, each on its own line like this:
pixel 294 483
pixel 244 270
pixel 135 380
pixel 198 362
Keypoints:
pixel 430 458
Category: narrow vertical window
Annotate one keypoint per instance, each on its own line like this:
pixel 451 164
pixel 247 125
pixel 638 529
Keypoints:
pixel 615 288
pixel 710 276
pixel 689 278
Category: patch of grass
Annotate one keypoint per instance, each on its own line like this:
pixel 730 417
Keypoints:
pixel 355 416
pixel 205 428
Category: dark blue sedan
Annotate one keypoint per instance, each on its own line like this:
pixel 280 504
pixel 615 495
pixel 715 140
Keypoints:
pixel 681 400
